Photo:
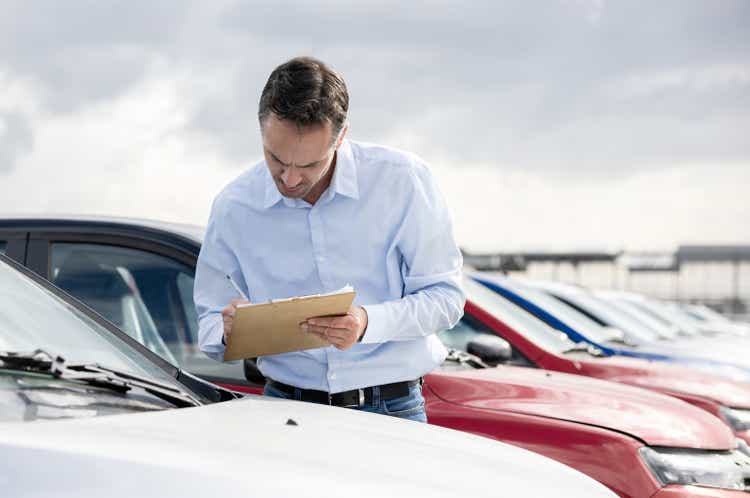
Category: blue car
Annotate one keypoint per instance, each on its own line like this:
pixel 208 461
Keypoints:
pixel 607 340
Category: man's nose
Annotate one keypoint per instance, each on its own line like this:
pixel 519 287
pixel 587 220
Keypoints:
pixel 290 176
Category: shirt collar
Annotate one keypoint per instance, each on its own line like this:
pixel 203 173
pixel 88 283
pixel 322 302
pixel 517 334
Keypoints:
pixel 273 195
pixel 344 179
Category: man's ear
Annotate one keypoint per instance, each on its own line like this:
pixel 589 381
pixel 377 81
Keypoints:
pixel 342 134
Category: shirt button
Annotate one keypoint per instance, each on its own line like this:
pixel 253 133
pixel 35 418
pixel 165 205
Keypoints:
pixel 332 375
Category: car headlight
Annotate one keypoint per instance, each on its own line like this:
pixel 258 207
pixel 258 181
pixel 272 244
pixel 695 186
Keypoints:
pixel 717 469
pixel 738 419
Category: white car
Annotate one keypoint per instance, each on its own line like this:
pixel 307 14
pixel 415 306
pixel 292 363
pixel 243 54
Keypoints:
pixel 135 425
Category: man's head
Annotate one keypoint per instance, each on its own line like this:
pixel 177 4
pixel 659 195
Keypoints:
pixel 302 114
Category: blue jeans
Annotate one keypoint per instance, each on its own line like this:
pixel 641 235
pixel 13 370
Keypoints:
pixel 409 407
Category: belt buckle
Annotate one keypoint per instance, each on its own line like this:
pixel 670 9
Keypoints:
pixel 360 400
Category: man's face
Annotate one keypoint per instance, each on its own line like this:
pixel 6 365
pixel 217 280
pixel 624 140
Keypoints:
pixel 299 159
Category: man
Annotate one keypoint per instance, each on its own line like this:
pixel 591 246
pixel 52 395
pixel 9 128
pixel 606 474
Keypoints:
pixel 321 212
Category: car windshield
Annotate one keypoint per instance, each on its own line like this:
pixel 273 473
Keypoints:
pixel 659 310
pixel 705 313
pixel 661 328
pixel 695 314
pixel 517 318
pixel 33 317
pixel 563 312
pixel 682 314
pixel 609 314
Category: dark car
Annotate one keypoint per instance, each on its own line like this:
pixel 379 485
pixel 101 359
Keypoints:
pixel 138 275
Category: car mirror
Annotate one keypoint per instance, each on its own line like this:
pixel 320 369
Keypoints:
pixel 252 374
pixel 491 349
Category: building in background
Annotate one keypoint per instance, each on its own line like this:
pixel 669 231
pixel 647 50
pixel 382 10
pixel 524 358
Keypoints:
pixel 715 275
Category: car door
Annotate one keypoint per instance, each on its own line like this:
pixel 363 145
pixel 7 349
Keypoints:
pixel 140 285
pixel 13 244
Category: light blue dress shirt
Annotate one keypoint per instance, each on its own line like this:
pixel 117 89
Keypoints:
pixel 382 226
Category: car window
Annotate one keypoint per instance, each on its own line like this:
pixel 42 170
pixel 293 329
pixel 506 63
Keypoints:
pixel 32 317
pixel 184 284
pixel 706 313
pixel 3 245
pixel 563 312
pixel 148 295
pixel 466 330
pixel 463 333
pixel 609 313
pixel 652 326
pixel 516 317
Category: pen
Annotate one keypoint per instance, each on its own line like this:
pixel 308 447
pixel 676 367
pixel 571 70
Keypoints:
pixel 237 287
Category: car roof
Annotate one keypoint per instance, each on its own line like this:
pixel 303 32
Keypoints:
pixel 40 221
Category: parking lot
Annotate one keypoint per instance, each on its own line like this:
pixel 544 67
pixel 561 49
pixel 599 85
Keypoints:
pixel 325 248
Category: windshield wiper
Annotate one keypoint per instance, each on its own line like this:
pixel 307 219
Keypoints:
pixel 584 346
pixel 39 361
pixel 464 358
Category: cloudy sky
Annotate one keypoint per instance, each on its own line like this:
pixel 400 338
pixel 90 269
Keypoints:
pixel 550 125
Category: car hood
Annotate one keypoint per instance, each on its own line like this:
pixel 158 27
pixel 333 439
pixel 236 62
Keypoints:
pixel 723 359
pixel 647 416
pixel 261 447
pixel 670 378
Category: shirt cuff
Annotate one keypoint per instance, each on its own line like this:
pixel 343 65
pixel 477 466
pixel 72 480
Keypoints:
pixel 376 324
pixel 211 337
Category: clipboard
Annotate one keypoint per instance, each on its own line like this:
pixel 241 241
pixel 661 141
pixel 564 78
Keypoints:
pixel 274 327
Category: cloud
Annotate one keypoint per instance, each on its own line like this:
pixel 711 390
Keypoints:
pixel 16 139
pixel 655 209
pixel 547 86
pixel 129 157
pixel 543 86
pixel 147 108
pixel 83 52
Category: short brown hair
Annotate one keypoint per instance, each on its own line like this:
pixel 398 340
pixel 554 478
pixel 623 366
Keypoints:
pixel 306 92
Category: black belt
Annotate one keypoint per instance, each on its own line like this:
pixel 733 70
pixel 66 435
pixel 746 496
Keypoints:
pixel 348 399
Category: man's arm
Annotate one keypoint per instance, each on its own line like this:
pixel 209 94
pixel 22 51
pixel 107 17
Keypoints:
pixel 211 291
pixel 431 269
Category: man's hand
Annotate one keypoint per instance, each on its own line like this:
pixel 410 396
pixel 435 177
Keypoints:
pixel 340 331
pixel 227 314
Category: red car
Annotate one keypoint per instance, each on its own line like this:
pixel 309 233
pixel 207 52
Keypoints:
pixel 603 430
pixel 639 443
pixel 544 347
